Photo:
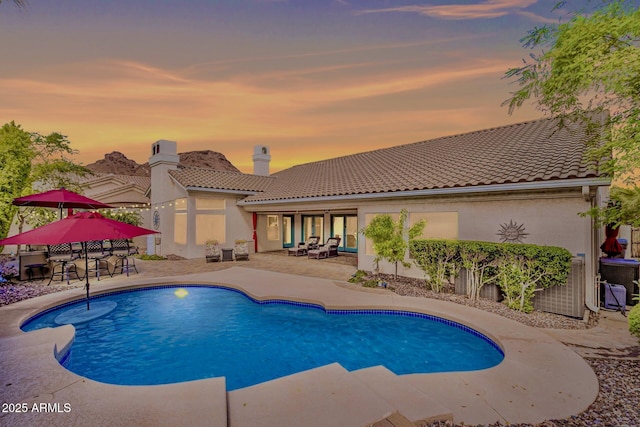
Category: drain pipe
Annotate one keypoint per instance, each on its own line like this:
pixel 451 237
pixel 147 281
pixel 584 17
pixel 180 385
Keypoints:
pixel 591 297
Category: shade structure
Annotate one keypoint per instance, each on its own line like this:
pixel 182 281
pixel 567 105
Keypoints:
pixel 59 198
pixel 81 227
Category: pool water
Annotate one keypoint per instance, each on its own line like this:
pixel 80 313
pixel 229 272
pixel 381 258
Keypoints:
pixel 165 335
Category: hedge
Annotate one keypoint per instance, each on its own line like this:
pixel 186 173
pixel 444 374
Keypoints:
pixel 518 269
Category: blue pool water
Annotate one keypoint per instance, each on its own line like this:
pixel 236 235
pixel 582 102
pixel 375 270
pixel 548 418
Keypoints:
pixel 157 337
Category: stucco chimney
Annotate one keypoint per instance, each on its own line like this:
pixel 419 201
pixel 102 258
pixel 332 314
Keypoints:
pixel 261 159
pixel 164 157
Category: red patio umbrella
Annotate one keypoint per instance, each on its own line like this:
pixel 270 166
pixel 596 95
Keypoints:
pixel 81 227
pixel 59 198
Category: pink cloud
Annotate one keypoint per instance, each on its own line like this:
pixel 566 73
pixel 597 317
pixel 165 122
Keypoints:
pixel 487 9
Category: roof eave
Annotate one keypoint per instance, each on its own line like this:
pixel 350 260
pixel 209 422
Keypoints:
pixel 220 190
pixel 490 188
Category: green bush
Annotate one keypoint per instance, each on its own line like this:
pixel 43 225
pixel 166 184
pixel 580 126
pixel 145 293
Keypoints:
pixel 518 269
pixel 439 259
pixel 521 269
pixel 634 320
pixel 358 276
pixel 151 257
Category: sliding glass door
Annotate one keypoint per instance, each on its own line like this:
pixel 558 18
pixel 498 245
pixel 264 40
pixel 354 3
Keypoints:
pixel 313 225
pixel 287 231
pixel 345 227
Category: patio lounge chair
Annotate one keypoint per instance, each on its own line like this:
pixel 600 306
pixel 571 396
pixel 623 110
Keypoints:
pixel 303 247
pixel 330 248
pixel 241 250
pixel 212 251
pixel 122 249
pixel 61 257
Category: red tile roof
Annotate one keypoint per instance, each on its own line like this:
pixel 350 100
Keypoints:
pixel 525 152
pixel 189 176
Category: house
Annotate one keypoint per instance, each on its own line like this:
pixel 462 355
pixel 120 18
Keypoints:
pixel 525 182
pixel 124 192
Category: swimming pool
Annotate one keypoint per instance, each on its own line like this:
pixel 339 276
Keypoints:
pixel 173 334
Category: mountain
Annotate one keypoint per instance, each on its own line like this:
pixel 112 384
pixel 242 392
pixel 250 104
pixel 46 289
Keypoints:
pixel 118 164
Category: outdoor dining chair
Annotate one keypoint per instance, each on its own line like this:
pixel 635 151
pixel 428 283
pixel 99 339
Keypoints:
pixel 123 250
pixel 96 252
pixel 61 257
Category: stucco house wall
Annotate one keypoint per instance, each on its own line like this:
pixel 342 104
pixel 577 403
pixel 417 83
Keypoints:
pixel 548 218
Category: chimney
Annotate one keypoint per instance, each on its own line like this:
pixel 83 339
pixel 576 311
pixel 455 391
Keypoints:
pixel 261 159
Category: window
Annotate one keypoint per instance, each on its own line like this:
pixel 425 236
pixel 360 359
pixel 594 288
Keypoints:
pixel 209 204
pixel 273 227
pixel 440 225
pixel 210 227
pixel 313 226
pixel 180 228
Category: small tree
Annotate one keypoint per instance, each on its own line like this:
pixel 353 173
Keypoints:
pixel 591 63
pixel 623 208
pixel 389 238
pixel 50 168
pixel 478 259
pixel 15 168
pixel 132 218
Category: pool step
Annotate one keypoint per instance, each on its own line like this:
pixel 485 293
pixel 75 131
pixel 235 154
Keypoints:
pixel 412 403
pixel 325 396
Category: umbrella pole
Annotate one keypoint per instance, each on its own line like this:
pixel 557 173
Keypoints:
pixel 86 272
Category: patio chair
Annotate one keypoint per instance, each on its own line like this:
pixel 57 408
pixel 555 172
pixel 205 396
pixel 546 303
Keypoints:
pixel 62 258
pixel 212 251
pixel 123 251
pixel 303 247
pixel 241 250
pixel 97 253
pixel 330 248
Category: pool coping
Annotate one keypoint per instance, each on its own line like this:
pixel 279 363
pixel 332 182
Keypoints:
pixel 539 378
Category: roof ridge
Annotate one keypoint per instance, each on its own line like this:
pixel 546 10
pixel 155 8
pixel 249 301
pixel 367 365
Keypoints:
pixel 222 171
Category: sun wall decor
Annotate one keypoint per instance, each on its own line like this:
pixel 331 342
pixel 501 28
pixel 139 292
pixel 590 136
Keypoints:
pixel 512 232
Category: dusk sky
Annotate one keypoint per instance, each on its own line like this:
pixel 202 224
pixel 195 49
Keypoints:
pixel 312 79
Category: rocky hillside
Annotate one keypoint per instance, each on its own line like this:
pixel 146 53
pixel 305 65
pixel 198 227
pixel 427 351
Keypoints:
pixel 118 164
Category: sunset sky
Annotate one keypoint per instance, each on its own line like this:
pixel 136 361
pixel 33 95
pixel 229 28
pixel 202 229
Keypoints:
pixel 312 79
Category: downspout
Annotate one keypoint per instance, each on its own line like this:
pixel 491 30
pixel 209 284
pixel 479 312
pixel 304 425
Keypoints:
pixel 591 294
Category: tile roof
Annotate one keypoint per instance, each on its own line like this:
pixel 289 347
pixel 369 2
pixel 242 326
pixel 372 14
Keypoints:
pixel 140 181
pixel 525 152
pixel 190 176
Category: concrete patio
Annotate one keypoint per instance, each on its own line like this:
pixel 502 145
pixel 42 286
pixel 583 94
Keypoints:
pixel 540 378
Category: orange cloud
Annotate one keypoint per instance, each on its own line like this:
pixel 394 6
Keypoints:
pixel 488 9
pixel 299 111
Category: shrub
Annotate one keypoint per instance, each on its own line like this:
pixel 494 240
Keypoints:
pixel 518 269
pixel 151 257
pixel 357 277
pixel 521 269
pixel 478 259
pixel 634 320
pixel 439 259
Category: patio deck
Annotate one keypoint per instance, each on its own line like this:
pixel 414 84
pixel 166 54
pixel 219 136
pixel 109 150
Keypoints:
pixel 540 378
